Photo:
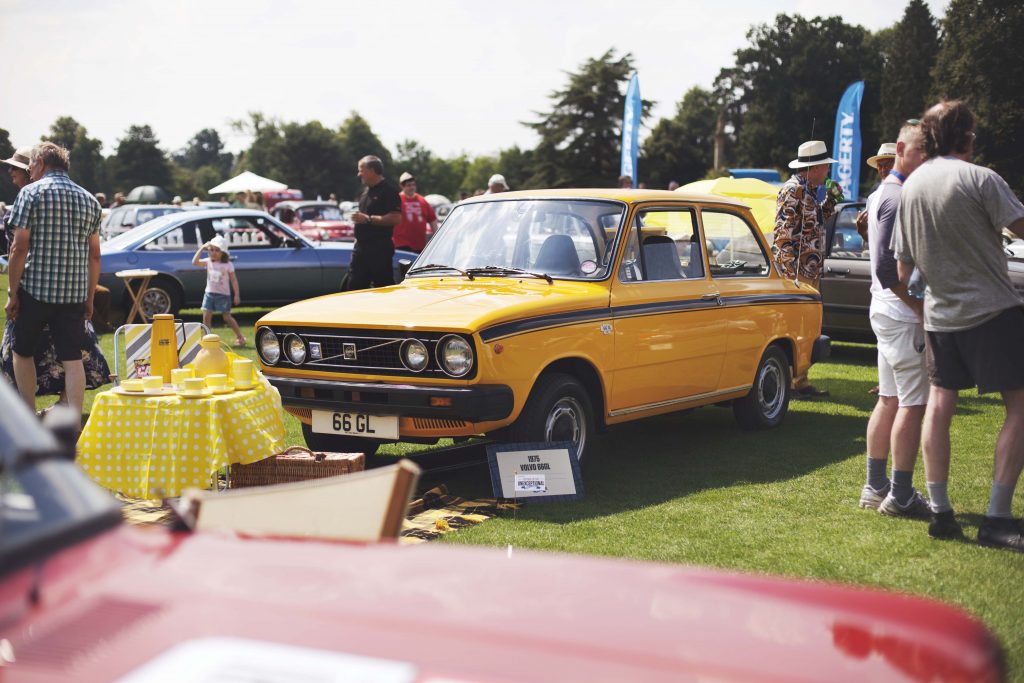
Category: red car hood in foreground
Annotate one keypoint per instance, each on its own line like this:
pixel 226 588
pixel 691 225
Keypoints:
pixel 210 607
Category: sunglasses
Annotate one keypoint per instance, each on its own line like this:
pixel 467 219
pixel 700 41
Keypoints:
pixel 914 122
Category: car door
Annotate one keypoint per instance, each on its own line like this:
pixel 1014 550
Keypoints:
pixel 272 264
pixel 846 282
pixel 669 340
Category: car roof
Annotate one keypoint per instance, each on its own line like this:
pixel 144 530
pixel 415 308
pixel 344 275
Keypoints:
pixel 614 193
pixel 301 203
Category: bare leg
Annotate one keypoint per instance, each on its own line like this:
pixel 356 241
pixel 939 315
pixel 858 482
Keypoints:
pixel 880 427
pixel 233 324
pixel 937 418
pixel 1010 444
pixel 906 437
pixel 74 384
pixel 25 377
pixel 208 318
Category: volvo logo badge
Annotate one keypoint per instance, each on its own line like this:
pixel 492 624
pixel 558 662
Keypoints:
pixel 348 351
pixel 315 352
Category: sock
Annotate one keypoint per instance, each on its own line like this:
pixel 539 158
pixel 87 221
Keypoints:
pixel 902 486
pixel 939 496
pixel 999 502
pixel 876 474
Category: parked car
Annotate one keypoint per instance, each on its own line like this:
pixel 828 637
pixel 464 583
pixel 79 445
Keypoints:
pixel 547 316
pixel 317 220
pixel 846 282
pixel 272 198
pixel 85 597
pixel 128 216
pixel 189 206
pixel 274 264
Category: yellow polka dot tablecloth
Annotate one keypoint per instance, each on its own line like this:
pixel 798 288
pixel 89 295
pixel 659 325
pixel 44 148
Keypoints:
pixel 158 446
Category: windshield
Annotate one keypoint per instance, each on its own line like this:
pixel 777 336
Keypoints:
pixel 129 237
pixel 564 238
pixel 320 213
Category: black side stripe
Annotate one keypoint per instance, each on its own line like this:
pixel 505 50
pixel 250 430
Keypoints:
pixel 634 310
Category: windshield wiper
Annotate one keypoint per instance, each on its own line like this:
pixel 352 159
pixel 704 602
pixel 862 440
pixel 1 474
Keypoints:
pixel 439 266
pixel 504 270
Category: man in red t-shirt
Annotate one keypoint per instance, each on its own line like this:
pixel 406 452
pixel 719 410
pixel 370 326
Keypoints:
pixel 417 213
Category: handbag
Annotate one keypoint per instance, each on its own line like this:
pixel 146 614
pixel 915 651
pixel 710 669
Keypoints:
pixel 294 464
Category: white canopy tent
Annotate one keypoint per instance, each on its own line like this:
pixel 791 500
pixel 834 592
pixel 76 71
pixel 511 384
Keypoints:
pixel 248 181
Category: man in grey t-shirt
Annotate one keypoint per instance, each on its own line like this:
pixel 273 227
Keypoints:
pixel 950 218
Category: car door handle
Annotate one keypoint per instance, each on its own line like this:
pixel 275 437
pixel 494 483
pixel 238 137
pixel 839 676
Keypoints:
pixel 838 271
pixel 712 297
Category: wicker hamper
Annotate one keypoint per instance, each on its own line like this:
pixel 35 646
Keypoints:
pixel 294 464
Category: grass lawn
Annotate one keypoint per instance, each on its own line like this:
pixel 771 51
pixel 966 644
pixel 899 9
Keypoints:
pixel 694 489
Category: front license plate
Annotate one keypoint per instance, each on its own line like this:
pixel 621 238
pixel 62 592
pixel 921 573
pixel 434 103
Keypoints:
pixel 356 424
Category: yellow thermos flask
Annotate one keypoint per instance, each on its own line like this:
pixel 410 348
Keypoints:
pixel 163 347
pixel 211 359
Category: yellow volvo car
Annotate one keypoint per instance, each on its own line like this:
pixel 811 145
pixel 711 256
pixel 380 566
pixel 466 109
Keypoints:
pixel 547 316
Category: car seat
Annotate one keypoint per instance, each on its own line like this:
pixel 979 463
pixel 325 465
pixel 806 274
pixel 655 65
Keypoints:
pixel 661 260
pixel 695 266
pixel 557 256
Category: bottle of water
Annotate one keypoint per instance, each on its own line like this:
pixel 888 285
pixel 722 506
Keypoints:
pixel 916 285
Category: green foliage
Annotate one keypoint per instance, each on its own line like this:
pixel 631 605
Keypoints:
pixel 88 167
pixel 8 191
pixel 139 161
pixel 580 139
pixel 357 141
pixel 682 148
pixel 979 63
pixel 205 149
pixel 906 79
pixel 788 81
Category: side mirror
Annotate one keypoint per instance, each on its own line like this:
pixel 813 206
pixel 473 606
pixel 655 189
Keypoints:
pixel 404 265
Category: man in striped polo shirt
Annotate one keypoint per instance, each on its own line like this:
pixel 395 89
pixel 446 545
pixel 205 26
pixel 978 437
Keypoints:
pixel 53 269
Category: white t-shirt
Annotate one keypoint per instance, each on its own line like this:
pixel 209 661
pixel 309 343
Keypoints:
pixel 218 277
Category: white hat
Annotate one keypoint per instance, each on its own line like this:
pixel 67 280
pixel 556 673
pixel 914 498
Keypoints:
pixel 812 153
pixel 19 159
pixel 406 176
pixel 886 151
pixel 497 179
pixel 220 243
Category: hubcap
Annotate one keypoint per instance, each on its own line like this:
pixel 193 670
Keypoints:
pixel 155 301
pixel 566 422
pixel 771 389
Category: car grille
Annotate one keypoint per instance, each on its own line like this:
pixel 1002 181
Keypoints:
pixel 376 351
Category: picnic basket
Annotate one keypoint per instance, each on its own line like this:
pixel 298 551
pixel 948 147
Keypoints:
pixel 294 464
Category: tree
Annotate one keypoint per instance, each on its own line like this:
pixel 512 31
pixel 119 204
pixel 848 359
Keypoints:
pixel 205 149
pixel 580 139
pixel 358 140
pixel 682 148
pixel 139 160
pixel 978 63
pixel 87 164
pixel 906 77
pixel 8 191
pixel 787 83
pixel 312 159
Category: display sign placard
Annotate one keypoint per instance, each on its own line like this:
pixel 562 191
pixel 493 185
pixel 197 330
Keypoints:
pixel 535 471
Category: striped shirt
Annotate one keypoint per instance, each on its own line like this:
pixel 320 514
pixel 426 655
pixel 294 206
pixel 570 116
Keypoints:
pixel 59 216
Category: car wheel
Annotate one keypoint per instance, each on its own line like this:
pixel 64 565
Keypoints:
pixel 162 296
pixel 558 409
pixel 336 443
pixel 768 401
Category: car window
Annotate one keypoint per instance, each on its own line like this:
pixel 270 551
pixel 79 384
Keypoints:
pixel 249 232
pixel 555 222
pixel 846 241
pixel 185 237
pixel 733 247
pixel 663 244
pixel 320 213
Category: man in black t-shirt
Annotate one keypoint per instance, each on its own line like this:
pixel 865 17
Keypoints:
pixel 380 210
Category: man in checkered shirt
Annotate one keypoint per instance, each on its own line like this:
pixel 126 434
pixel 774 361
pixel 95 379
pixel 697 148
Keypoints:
pixel 53 269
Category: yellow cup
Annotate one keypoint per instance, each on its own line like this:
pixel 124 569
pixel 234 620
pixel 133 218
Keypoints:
pixel 153 383
pixel 178 377
pixel 217 381
pixel 132 385
pixel 241 372
pixel 193 385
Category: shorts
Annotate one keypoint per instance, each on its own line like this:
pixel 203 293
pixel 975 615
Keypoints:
pixel 902 364
pixel 986 356
pixel 216 303
pixel 66 322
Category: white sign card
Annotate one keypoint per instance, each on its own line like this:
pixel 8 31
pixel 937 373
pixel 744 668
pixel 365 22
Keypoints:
pixel 535 471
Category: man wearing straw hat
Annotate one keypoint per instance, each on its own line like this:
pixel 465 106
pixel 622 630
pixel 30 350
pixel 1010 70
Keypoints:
pixel 799 244
pixel 883 163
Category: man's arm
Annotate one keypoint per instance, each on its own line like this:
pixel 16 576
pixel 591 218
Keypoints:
pixel 787 217
pixel 94 272
pixel 15 269
pixel 905 270
pixel 1017 227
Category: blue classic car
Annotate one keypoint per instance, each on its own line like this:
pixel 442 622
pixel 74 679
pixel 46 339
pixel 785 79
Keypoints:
pixel 275 265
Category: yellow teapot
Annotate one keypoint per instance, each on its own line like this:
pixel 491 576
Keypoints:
pixel 211 359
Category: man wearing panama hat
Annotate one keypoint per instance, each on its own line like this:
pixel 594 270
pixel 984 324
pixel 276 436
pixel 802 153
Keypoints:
pixel 883 163
pixel 799 225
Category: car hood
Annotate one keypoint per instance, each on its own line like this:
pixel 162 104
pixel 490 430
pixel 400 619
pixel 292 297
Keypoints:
pixel 134 598
pixel 448 303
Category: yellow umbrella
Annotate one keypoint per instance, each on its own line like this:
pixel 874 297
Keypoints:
pixel 757 194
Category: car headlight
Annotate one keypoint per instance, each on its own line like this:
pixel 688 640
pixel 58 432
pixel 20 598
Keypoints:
pixel 455 355
pixel 295 349
pixel 267 346
pixel 414 355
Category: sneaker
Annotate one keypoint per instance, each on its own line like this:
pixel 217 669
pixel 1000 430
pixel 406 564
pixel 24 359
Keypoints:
pixel 944 525
pixel 916 507
pixel 870 499
pixel 1002 532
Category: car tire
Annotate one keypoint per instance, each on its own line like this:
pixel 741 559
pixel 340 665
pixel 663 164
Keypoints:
pixel 335 443
pixel 558 409
pixel 162 296
pixel 768 401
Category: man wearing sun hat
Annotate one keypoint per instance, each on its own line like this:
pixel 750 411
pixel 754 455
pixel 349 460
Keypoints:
pixel 799 244
pixel 883 163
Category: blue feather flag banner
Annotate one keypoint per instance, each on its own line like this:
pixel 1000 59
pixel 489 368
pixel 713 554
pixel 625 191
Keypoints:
pixel 846 146
pixel 631 128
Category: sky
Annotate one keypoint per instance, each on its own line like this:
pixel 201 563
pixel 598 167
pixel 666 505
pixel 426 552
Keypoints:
pixel 455 75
